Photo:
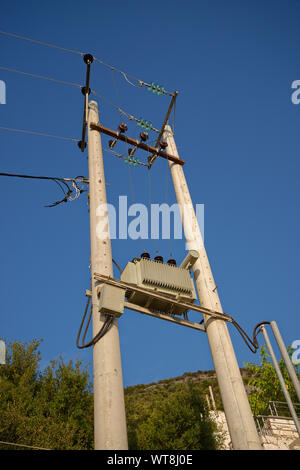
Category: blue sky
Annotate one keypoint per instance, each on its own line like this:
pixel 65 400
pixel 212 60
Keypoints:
pixel 233 64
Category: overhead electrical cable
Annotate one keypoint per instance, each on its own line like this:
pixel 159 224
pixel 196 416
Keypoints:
pixel 42 134
pixel 77 85
pixel 126 159
pixel 139 83
pixel 42 77
pixel 23 445
pixel 41 43
pixel 71 191
pixel 128 115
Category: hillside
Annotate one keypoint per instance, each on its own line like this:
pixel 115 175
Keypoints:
pixel 202 379
pixel 143 400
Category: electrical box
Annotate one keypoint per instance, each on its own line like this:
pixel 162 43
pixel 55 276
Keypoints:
pixel 111 300
pixel 166 279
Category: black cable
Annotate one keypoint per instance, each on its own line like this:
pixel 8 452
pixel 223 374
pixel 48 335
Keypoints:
pixel 116 264
pixel 59 181
pixel 36 177
pixel 251 343
pixel 103 330
pixel 255 333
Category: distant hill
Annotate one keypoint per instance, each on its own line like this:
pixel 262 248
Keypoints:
pixel 144 403
pixel 203 379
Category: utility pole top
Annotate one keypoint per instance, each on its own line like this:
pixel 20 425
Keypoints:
pixel 93 105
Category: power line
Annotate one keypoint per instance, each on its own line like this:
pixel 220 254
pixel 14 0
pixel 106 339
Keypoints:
pixel 129 116
pixel 42 134
pixel 23 445
pixel 41 43
pixel 43 77
pixel 77 85
pixel 139 83
pixel 71 191
pixel 84 180
pixel 126 159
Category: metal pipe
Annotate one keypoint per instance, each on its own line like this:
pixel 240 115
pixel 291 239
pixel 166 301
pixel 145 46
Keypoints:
pixel 190 259
pixel 281 379
pixel 285 356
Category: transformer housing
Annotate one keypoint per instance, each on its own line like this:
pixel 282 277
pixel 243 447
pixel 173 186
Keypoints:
pixel 166 279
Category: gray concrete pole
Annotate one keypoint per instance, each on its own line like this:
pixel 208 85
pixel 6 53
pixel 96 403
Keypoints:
pixel 238 414
pixel 109 408
pixel 281 380
pixel 285 356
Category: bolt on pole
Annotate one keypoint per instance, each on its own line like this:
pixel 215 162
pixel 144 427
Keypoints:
pixel 110 430
pixel 238 413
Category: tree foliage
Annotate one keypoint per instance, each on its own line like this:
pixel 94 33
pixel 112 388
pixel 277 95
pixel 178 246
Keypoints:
pixel 172 417
pixel 51 409
pixel 265 383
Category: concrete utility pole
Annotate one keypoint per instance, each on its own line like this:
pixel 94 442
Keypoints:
pixel 238 414
pixel 109 407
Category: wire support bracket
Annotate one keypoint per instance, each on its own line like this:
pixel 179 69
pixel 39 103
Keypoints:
pixel 88 59
pixel 153 157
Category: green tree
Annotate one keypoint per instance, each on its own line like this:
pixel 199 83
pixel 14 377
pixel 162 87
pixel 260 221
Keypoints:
pixel 50 409
pixel 265 383
pixel 177 421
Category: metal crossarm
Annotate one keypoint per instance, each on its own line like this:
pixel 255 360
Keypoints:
pixel 135 143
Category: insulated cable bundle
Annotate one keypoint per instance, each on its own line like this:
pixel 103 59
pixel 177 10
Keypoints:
pixel 71 187
pixel 103 330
